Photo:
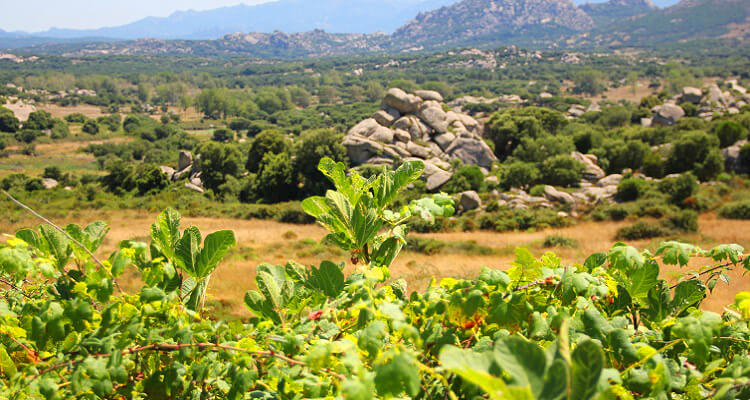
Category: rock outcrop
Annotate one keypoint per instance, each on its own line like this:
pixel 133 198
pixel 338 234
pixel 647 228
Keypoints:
pixel 410 127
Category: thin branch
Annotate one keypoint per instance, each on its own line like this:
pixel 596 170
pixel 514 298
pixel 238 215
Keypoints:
pixel 710 270
pixel 16 288
pixel 52 224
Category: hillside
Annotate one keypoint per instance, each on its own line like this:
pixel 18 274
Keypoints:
pixel 614 10
pixel 471 21
pixel 344 16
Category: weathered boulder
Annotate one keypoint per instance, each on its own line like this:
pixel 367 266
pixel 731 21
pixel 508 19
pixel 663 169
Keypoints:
pixel 185 160
pixel 732 157
pixel 592 171
pixel 416 128
pixel 692 95
pixel 438 179
pixel 434 116
pixel 668 114
pixel 715 96
pixel 553 194
pixel 49 183
pixel 470 200
pixel 403 102
pixel 386 117
pixel 365 128
pixel 418 151
pixel 429 95
pixel 360 149
pixel 194 187
pixel 401 135
pixel 444 140
pixel 609 180
pixel 472 151
pixel 382 135
pixel 168 171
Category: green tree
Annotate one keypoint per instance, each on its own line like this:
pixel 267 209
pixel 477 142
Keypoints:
pixel 562 170
pixel 150 179
pixel 39 120
pixel 374 91
pixel 729 132
pixel 276 179
pixel 679 188
pixel 91 127
pixel 270 141
pixel 590 82
pixel 690 150
pixel 518 174
pixel 218 161
pixel 223 135
pixel 8 121
pixel 312 147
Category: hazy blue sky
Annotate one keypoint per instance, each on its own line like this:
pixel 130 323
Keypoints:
pixel 38 15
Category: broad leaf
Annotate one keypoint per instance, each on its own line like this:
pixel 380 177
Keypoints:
pixel 642 280
pixel 524 361
pixel 58 245
pixel 687 294
pixel 587 362
pixel 166 232
pixel 215 248
pixel 328 278
pixel 188 250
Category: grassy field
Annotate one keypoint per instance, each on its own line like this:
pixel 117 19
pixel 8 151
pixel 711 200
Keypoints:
pixel 273 242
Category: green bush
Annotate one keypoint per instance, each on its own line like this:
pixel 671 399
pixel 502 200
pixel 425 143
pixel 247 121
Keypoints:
pixel 736 210
pixel 518 174
pixel 745 156
pixel 679 188
pixel 8 121
pixel 467 177
pixel 223 135
pixel 267 142
pixel 683 221
pixel 91 127
pixel 312 147
pixel 729 132
pixel 690 151
pixel 559 241
pixel 631 189
pixel 75 118
pixel 39 120
pixel 562 170
pixel 642 230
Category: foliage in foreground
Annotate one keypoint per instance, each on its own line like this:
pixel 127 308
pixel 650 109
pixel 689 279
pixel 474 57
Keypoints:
pixel 605 329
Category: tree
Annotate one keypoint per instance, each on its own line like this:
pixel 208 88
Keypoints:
pixel 562 170
pixel 276 180
pixel 28 136
pixel 214 103
pixel 150 179
pixel 91 127
pixel 8 121
pixel 270 141
pixel 312 147
pixel 690 151
pixel 467 177
pixel 518 175
pixel 120 176
pixel 729 132
pixel 300 97
pixel 507 128
pixel 327 94
pixel 223 135
pixel 679 188
pixel 39 120
pixel 219 160
pixel 590 82
pixel 374 91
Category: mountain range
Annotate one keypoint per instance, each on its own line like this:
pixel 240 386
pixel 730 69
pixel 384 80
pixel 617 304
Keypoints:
pixel 416 25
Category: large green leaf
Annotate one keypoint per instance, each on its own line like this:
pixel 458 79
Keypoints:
pixel 524 361
pixel 215 247
pixel 625 258
pixel 166 232
pixel 555 381
pixel 30 237
pixel 188 250
pixel 397 375
pixel 328 278
pixel 392 183
pixel 587 362
pixel 674 252
pixel 687 294
pixel 15 262
pixel 642 280
pixel 58 245
pixel 474 368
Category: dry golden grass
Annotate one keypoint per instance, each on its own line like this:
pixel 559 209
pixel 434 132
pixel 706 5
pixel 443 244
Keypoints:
pixel 274 242
pixel 58 111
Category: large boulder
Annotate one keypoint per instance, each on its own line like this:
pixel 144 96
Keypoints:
pixel 613 179
pixel 470 200
pixel 365 128
pixel 49 183
pixel 403 102
pixel 472 151
pixel 715 96
pixel 386 117
pixel 416 128
pixel 445 140
pixel 592 172
pixel 429 95
pixel 438 179
pixel 185 160
pixel 553 194
pixel 668 114
pixel 361 149
pixel 732 157
pixel 418 151
pixel 433 115
pixel 692 95
pixel 167 171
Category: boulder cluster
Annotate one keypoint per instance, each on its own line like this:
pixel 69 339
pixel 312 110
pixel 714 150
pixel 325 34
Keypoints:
pixel 709 102
pixel 189 167
pixel 419 126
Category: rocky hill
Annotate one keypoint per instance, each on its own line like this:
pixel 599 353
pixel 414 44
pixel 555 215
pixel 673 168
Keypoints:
pixel 470 21
pixel 612 11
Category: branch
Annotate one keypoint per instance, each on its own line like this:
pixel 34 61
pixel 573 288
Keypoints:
pixel 52 224
pixel 16 288
pixel 710 270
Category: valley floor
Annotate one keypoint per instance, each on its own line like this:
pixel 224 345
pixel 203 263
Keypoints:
pixel 262 241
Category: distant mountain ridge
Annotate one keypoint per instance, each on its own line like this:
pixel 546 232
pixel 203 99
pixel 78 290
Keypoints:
pixel 467 23
pixel 338 16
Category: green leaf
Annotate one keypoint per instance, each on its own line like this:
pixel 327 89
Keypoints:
pixel 642 280
pixel 731 252
pixel 187 251
pixel 474 367
pixel 399 374
pixel 30 237
pixel 555 381
pixel 166 232
pixel 328 278
pixel 215 248
pixel 152 294
pixel 587 362
pixel 15 262
pixel 7 367
pixel 392 183
pixel 524 361
pixel 386 252
pixel 625 258
pixel 595 261
pixel 688 294
pixel 677 253
pixel 58 245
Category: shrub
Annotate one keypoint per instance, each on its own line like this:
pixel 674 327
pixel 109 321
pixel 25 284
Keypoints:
pixel 75 118
pixel 240 124
pixel 710 167
pixel 150 179
pixel 276 180
pixel 219 160
pixel 690 151
pixel 631 189
pixel 562 170
pixel 111 122
pixel 59 130
pixel 518 174
pixel 267 142
pixel 729 132
pixel 223 135
pixel 8 121
pixel 642 230
pixel 559 241
pixel 91 127
pixel 745 156
pixel 680 188
pixel 311 147
pixel 736 210
pixel 684 221
pixel 39 120
pixel 467 177
pixel 28 135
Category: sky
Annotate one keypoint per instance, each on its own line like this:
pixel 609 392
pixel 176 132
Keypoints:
pixel 40 15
